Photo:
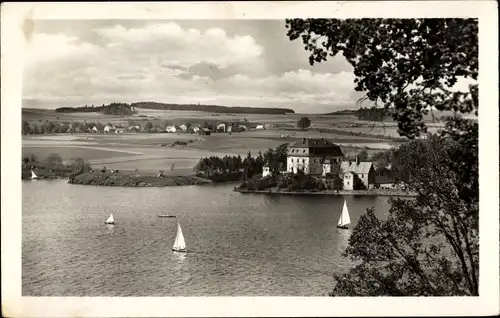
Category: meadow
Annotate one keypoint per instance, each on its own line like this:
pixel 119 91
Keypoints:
pixel 151 152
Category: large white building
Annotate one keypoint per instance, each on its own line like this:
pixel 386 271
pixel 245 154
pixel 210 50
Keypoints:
pixel 309 154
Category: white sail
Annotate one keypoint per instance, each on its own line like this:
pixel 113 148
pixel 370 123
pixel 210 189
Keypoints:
pixel 344 217
pixel 110 219
pixel 33 175
pixel 179 243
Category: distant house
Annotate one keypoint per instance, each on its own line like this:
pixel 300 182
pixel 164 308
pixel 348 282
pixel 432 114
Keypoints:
pixel 183 127
pixel 94 130
pixel 196 129
pixel 171 129
pixel 109 129
pixel 119 131
pixel 134 128
pixel 356 169
pixel 205 131
pixel 229 128
pixel 266 171
pixel 260 127
pixel 221 127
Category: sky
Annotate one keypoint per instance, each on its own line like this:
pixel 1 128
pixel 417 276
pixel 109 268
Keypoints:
pixel 222 62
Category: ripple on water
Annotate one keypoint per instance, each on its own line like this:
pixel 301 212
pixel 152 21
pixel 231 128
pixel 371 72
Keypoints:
pixel 238 245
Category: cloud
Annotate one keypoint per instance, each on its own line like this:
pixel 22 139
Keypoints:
pixel 168 63
pixel 183 47
pixel 46 48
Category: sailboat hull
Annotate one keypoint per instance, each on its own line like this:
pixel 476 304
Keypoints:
pixel 109 222
pixel 342 227
pixel 183 250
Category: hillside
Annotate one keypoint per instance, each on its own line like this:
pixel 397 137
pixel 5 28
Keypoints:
pixel 213 108
pixel 119 109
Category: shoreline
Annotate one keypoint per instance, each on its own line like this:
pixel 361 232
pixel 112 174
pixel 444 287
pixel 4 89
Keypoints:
pixel 135 180
pixel 378 193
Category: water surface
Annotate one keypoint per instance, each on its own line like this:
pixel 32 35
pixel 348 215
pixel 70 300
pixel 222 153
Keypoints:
pixel 239 244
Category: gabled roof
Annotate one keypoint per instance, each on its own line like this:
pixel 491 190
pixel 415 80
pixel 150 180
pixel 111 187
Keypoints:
pixel 362 167
pixel 312 143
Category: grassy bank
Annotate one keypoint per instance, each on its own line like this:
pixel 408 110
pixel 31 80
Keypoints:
pixel 375 192
pixel 123 179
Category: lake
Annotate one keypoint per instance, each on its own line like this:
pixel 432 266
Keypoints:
pixel 238 244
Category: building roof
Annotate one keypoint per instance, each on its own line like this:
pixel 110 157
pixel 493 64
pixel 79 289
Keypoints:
pixel 384 180
pixel 312 143
pixel 362 167
pixel 316 143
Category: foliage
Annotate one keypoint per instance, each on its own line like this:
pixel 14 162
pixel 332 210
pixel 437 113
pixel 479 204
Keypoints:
pixel 408 65
pixel 304 122
pixel 54 160
pixel 79 166
pixel 334 181
pixel 229 168
pixel 363 156
pixel 276 158
pixel 427 246
pixel 118 109
pixel 213 108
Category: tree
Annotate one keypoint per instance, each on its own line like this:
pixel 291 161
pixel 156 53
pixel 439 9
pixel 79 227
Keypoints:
pixel 54 160
pixel 408 65
pixel 427 246
pixel 26 160
pixel 304 122
pixel 363 155
pixel 407 254
pixel 26 128
pixel 79 166
pixel 382 159
pixel 148 126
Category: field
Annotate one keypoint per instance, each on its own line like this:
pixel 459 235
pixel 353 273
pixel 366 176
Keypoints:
pixel 153 152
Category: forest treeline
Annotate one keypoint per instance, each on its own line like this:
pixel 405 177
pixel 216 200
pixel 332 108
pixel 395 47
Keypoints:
pixel 213 108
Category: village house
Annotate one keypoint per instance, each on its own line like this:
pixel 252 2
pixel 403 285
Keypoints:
pixel 266 171
pixel 134 128
pixel 196 129
pixel 309 154
pixel 259 127
pixel 351 170
pixel 94 129
pixel 109 129
pixel 183 127
pixel 119 131
pixel 221 127
pixel 171 129
pixel 205 131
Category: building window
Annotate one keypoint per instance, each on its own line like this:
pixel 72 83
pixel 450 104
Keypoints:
pixel 303 160
pixel 303 150
pixel 292 159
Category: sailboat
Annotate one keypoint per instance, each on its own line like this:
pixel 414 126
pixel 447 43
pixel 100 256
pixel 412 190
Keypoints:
pixel 110 220
pixel 344 219
pixel 179 243
pixel 33 175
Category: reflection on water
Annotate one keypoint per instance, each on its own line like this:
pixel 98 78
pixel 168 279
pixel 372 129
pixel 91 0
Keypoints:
pixel 238 245
pixel 110 228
